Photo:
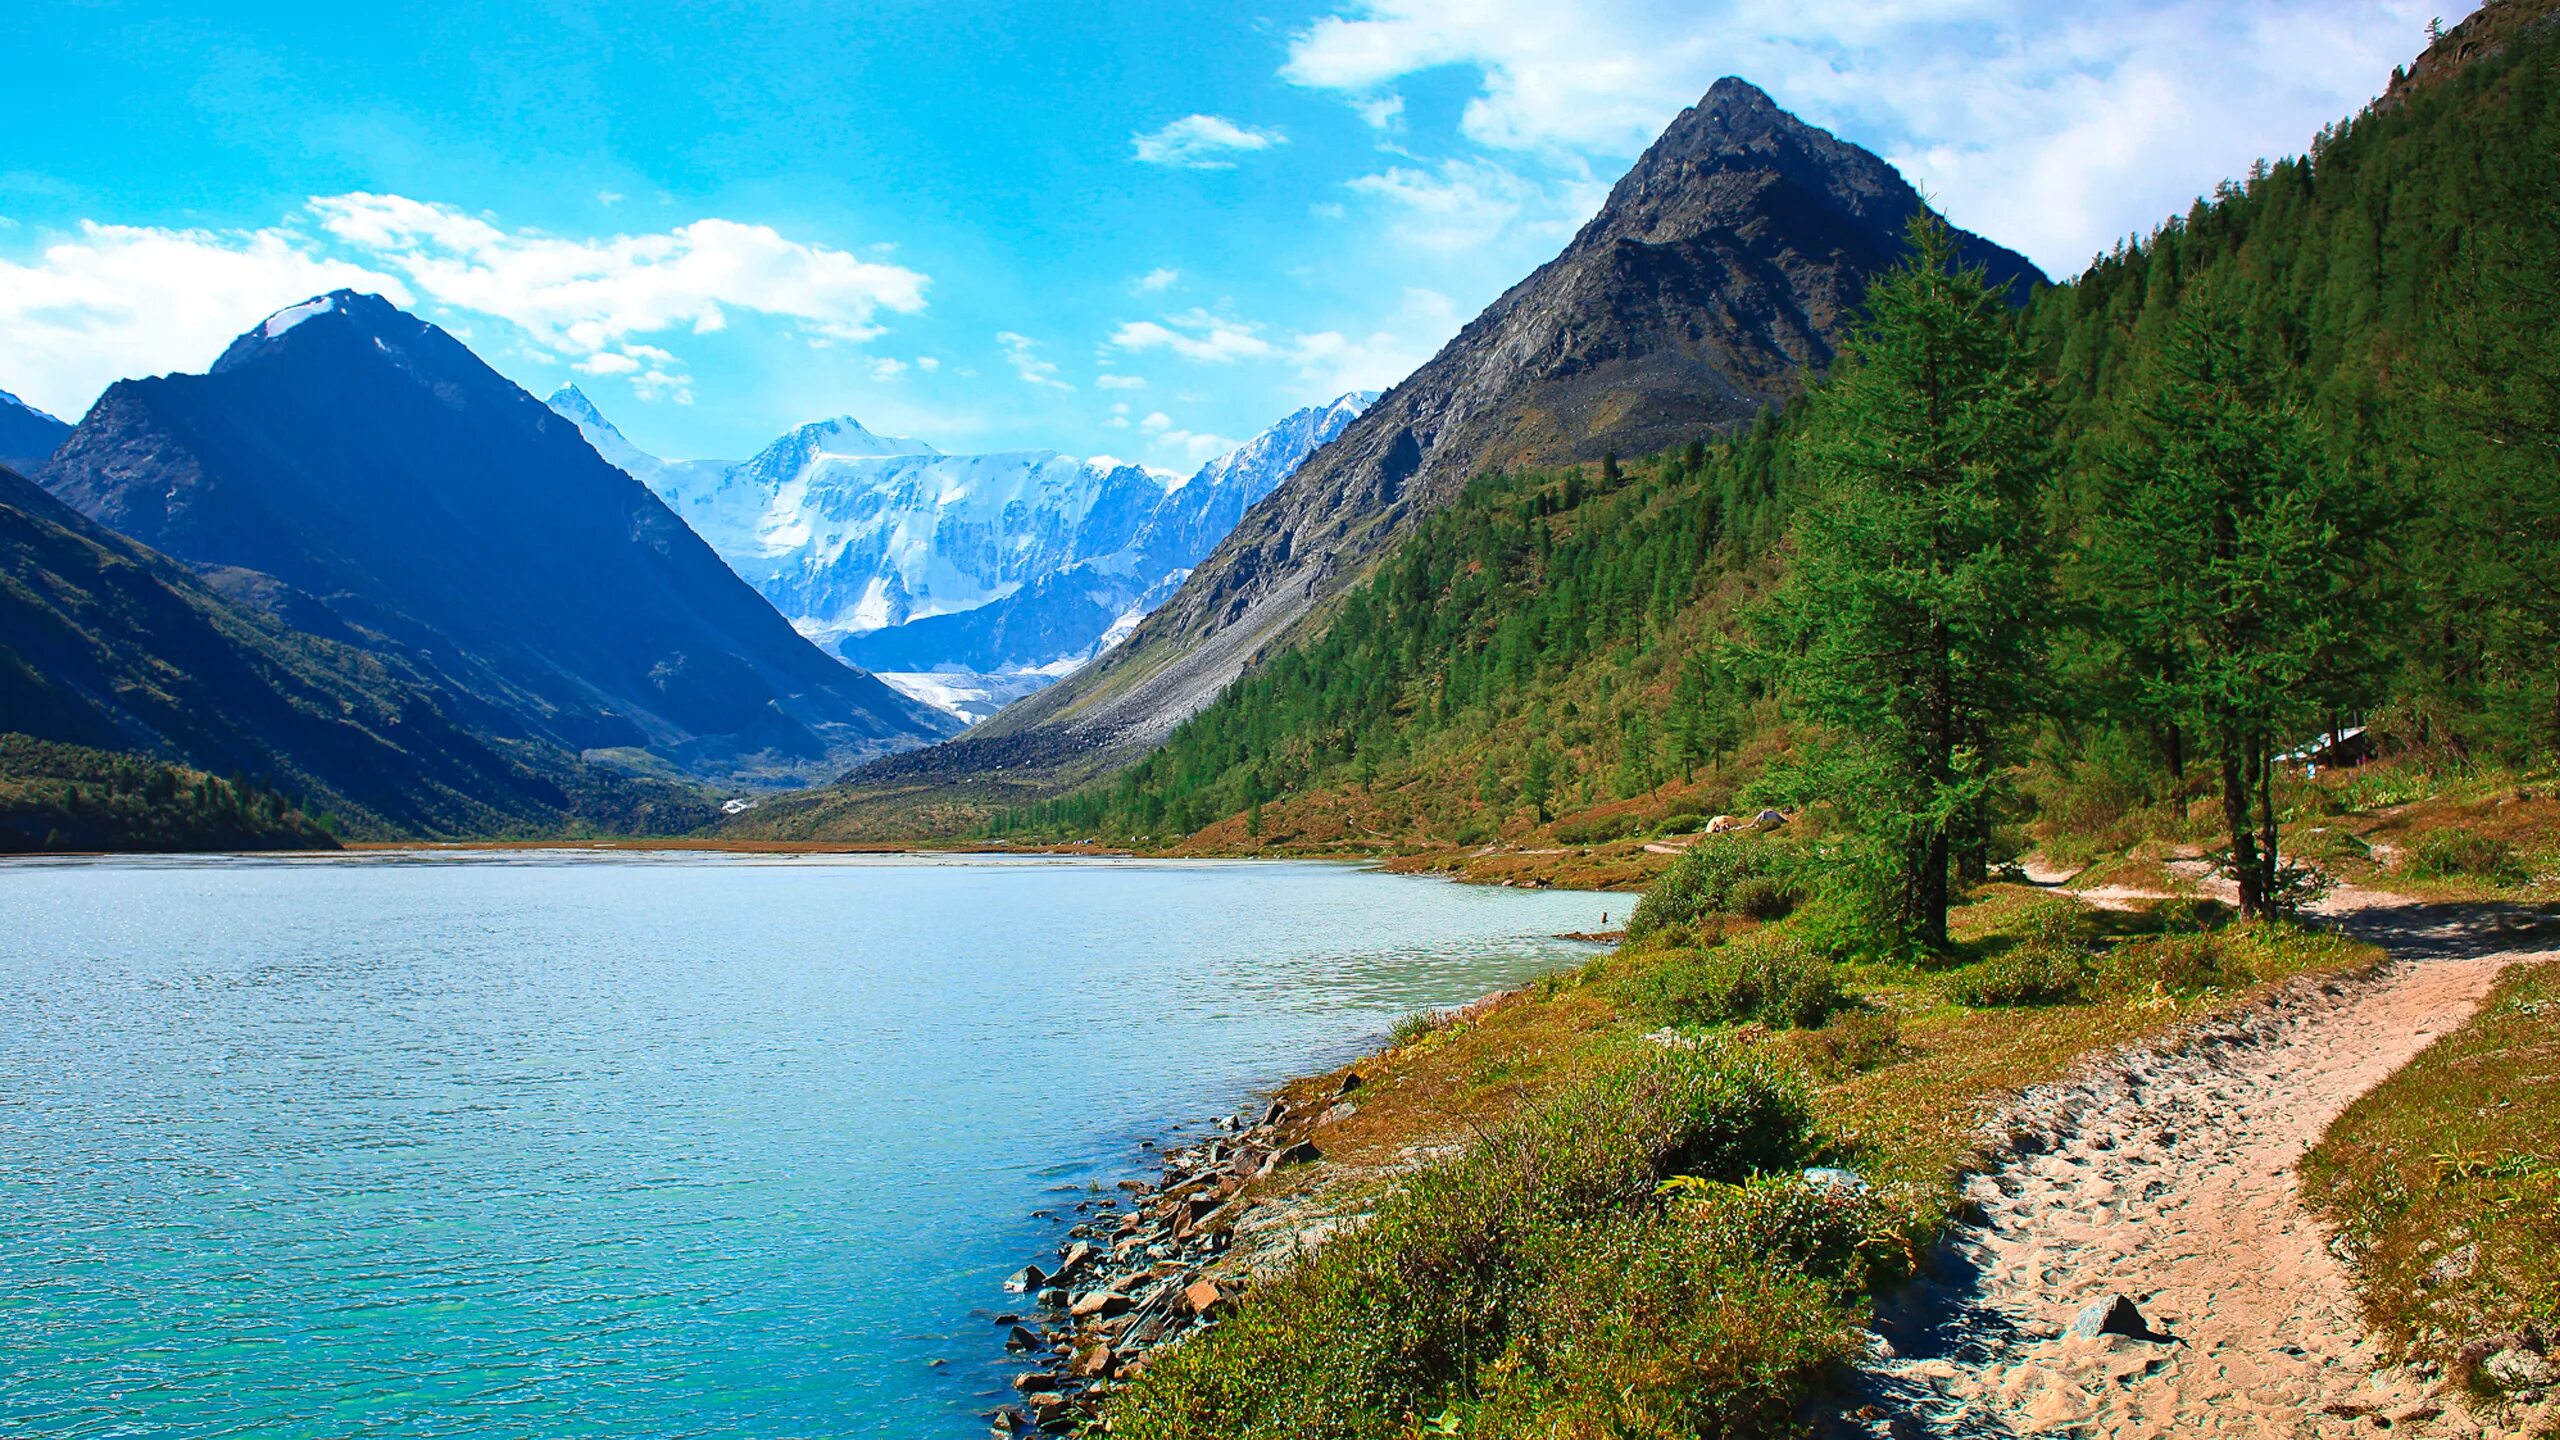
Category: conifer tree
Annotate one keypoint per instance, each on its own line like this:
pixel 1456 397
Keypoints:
pixel 2233 557
pixel 1916 596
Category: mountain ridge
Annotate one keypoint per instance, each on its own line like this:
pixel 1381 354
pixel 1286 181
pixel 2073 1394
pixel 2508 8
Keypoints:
pixel 356 466
pixel 1008 567
pixel 1723 268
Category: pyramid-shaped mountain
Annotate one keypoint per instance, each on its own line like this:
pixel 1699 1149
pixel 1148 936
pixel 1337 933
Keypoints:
pixel 360 471
pixel 1723 270
pixel 106 644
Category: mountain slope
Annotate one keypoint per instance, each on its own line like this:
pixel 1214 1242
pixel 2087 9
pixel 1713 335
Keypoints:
pixel 105 644
pixel 1721 271
pixel 28 436
pixel 363 473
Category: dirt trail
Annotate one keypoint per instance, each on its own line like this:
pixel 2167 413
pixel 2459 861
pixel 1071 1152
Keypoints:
pixel 2167 1175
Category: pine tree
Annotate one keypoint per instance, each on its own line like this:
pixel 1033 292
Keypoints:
pixel 1916 595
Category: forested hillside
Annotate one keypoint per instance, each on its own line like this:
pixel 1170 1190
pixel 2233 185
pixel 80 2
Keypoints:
pixel 2335 369
pixel 68 797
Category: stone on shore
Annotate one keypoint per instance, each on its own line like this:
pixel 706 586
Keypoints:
pixel 1302 1153
pixel 2516 1368
pixel 1101 1304
pixel 2115 1315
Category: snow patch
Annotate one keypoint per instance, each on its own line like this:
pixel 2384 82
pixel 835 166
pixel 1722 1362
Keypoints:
pixel 293 315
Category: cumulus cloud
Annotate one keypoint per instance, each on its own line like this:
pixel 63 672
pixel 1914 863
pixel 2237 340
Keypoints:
pixel 586 296
pixel 1457 204
pixel 1202 142
pixel 119 300
pixel 1023 354
pixel 1334 363
pixel 2054 131
pixel 1422 321
pixel 1195 335
pixel 124 300
pixel 1172 439
pixel 1157 279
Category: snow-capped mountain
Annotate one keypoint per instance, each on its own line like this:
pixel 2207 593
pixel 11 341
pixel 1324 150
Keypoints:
pixel 1010 567
pixel 28 436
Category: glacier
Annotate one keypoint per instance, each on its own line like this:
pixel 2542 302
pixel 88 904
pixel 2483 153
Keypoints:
pixel 967 580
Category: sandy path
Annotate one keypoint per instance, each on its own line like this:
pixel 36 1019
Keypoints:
pixel 2167 1175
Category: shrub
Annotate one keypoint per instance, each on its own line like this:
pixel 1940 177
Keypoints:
pixel 1472 1260
pixel 1765 975
pixel 2453 854
pixel 1659 1328
pixel 2191 914
pixel 1761 898
pixel 1414 1027
pixel 2035 972
pixel 1858 1041
pixel 1597 829
pixel 2174 964
pixel 1704 879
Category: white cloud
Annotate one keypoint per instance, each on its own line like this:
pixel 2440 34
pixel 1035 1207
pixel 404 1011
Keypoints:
pixel 2054 130
pixel 117 301
pixel 609 197
pixel 1121 382
pixel 1381 114
pixel 1202 142
pixel 1459 205
pixel 1157 279
pixel 887 368
pixel 588 295
pixel 1172 439
pixel 1423 321
pixel 1195 335
pixel 1022 353
pixel 1334 363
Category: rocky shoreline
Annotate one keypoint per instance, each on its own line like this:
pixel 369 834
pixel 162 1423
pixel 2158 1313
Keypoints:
pixel 1141 1271
pixel 1167 1259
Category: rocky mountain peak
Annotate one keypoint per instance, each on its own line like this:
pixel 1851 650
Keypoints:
pixel 1724 269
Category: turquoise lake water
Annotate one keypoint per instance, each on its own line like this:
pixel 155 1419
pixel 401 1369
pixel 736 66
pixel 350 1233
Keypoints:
pixel 640 1146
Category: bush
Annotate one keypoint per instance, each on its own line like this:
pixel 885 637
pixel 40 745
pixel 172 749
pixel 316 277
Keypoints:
pixel 1488 1256
pixel 1414 1027
pixel 1597 829
pixel 2049 964
pixel 2464 855
pixel 1858 1041
pixel 2036 972
pixel 1764 975
pixel 1662 1328
pixel 1703 881
pixel 1761 898
pixel 2174 964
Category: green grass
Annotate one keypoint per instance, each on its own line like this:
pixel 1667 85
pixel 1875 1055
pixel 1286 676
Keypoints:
pixel 2444 1182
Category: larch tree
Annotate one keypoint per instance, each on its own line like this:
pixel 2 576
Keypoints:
pixel 1916 602
pixel 2235 553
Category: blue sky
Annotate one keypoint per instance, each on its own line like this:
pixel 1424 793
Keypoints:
pixel 1145 230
